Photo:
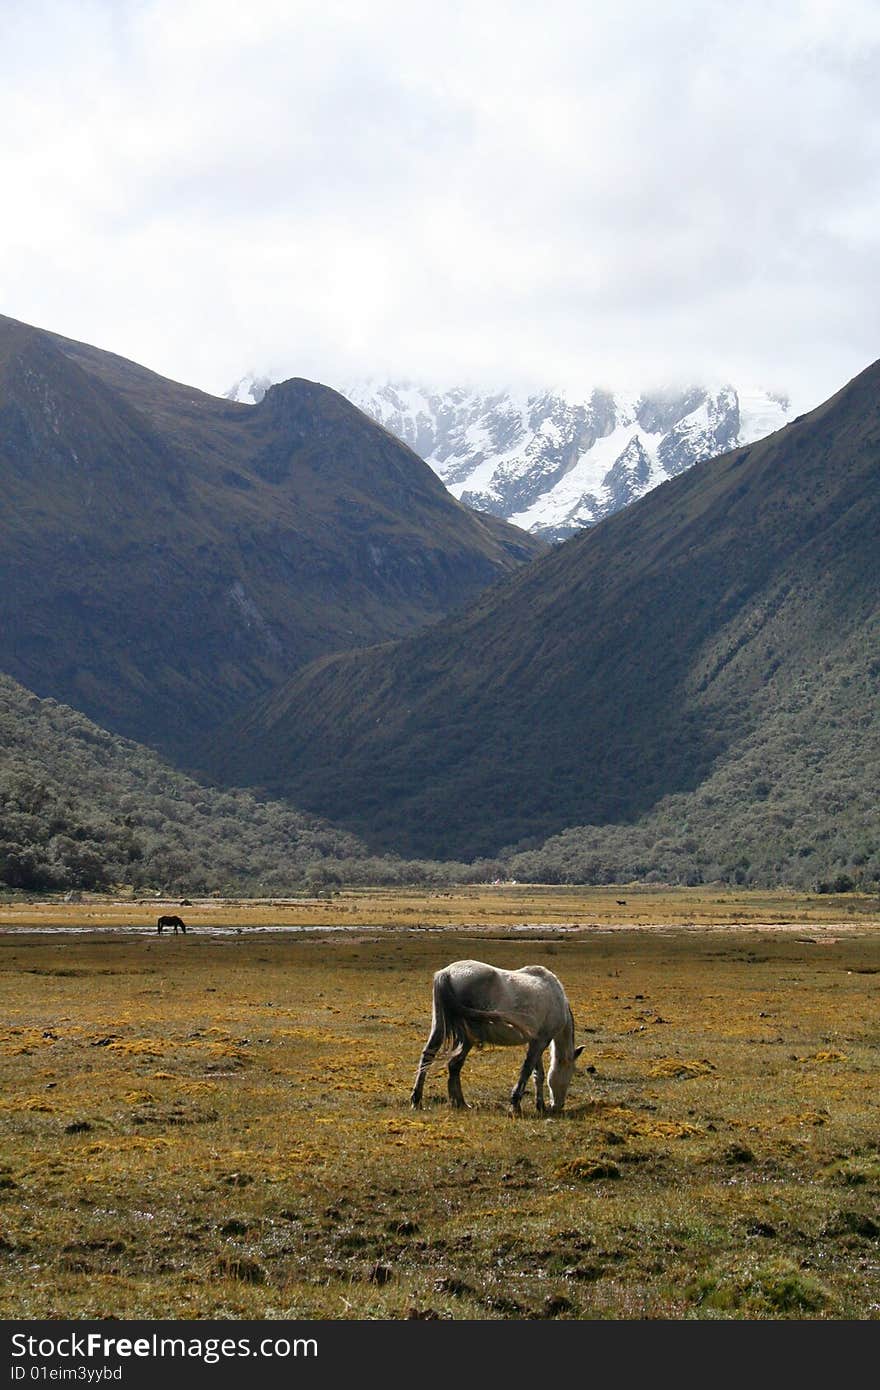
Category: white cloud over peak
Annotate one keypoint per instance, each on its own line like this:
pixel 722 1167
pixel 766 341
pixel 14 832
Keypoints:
pixel 494 192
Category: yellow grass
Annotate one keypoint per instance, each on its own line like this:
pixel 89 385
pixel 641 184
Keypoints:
pixel 218 1125
pixel 504 905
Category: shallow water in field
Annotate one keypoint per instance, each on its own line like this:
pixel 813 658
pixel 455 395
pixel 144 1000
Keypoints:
pixel 825 934
pixel 151 931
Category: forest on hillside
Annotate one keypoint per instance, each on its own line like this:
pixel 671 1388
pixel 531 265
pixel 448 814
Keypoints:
pixel 83 809
pixel 795 804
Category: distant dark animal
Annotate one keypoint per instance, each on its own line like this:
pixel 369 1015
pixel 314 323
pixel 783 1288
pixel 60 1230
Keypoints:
pixel 621 902
pixel 174 922
pixel 474 1003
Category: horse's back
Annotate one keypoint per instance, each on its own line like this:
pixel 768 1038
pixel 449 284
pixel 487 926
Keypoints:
pixel 493 979
pixel 540 972
pixel 531 996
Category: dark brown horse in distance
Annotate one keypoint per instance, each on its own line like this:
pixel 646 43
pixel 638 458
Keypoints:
pixel 174 922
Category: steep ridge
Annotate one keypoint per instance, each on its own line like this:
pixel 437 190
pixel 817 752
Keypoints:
pixel 166 555
pixel 625 667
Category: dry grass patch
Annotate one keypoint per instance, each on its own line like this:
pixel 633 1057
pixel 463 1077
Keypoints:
pixel 678 1067
pixel 478 906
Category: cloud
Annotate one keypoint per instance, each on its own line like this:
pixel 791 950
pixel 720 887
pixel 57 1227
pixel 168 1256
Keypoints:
pixel 503 192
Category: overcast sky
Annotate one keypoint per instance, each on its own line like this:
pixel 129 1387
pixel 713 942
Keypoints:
pixel 561 193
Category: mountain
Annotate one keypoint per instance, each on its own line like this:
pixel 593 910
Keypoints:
pixel 723 626
pixel 166 555
pixel 553 464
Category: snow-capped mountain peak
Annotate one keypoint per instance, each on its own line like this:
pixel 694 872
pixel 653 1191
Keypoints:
pixel 555 463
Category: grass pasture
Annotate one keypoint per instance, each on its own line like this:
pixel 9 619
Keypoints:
pixel 217 1125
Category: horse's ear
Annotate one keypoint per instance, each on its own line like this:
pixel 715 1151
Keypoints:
pixel 578 1051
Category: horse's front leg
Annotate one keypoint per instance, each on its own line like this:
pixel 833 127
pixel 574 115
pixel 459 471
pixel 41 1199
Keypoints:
pixel 533 1058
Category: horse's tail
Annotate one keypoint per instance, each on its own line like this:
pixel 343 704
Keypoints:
pixel 447 1020
pixel 494 1016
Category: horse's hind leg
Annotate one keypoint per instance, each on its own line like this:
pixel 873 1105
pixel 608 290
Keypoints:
pixel 533 1058
pixel 456 1062
pixel 429 1052
pixel 539 1085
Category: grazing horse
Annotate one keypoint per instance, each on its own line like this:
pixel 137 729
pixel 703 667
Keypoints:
pixel 476 1003
pixel 174 922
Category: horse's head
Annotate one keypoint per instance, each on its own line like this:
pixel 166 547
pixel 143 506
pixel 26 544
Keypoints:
pixel 561 1072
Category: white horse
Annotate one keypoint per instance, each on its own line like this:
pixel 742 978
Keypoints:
pixel 476 1003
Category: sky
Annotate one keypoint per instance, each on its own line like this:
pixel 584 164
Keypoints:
pixel 491 193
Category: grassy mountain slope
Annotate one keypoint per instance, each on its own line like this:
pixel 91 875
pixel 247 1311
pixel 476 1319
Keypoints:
pixel 794 802
pixel 83 808
pixel 631 665
pixel 166 555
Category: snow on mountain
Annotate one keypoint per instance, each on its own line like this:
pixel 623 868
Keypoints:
pixel 554 464
pixel 250 388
